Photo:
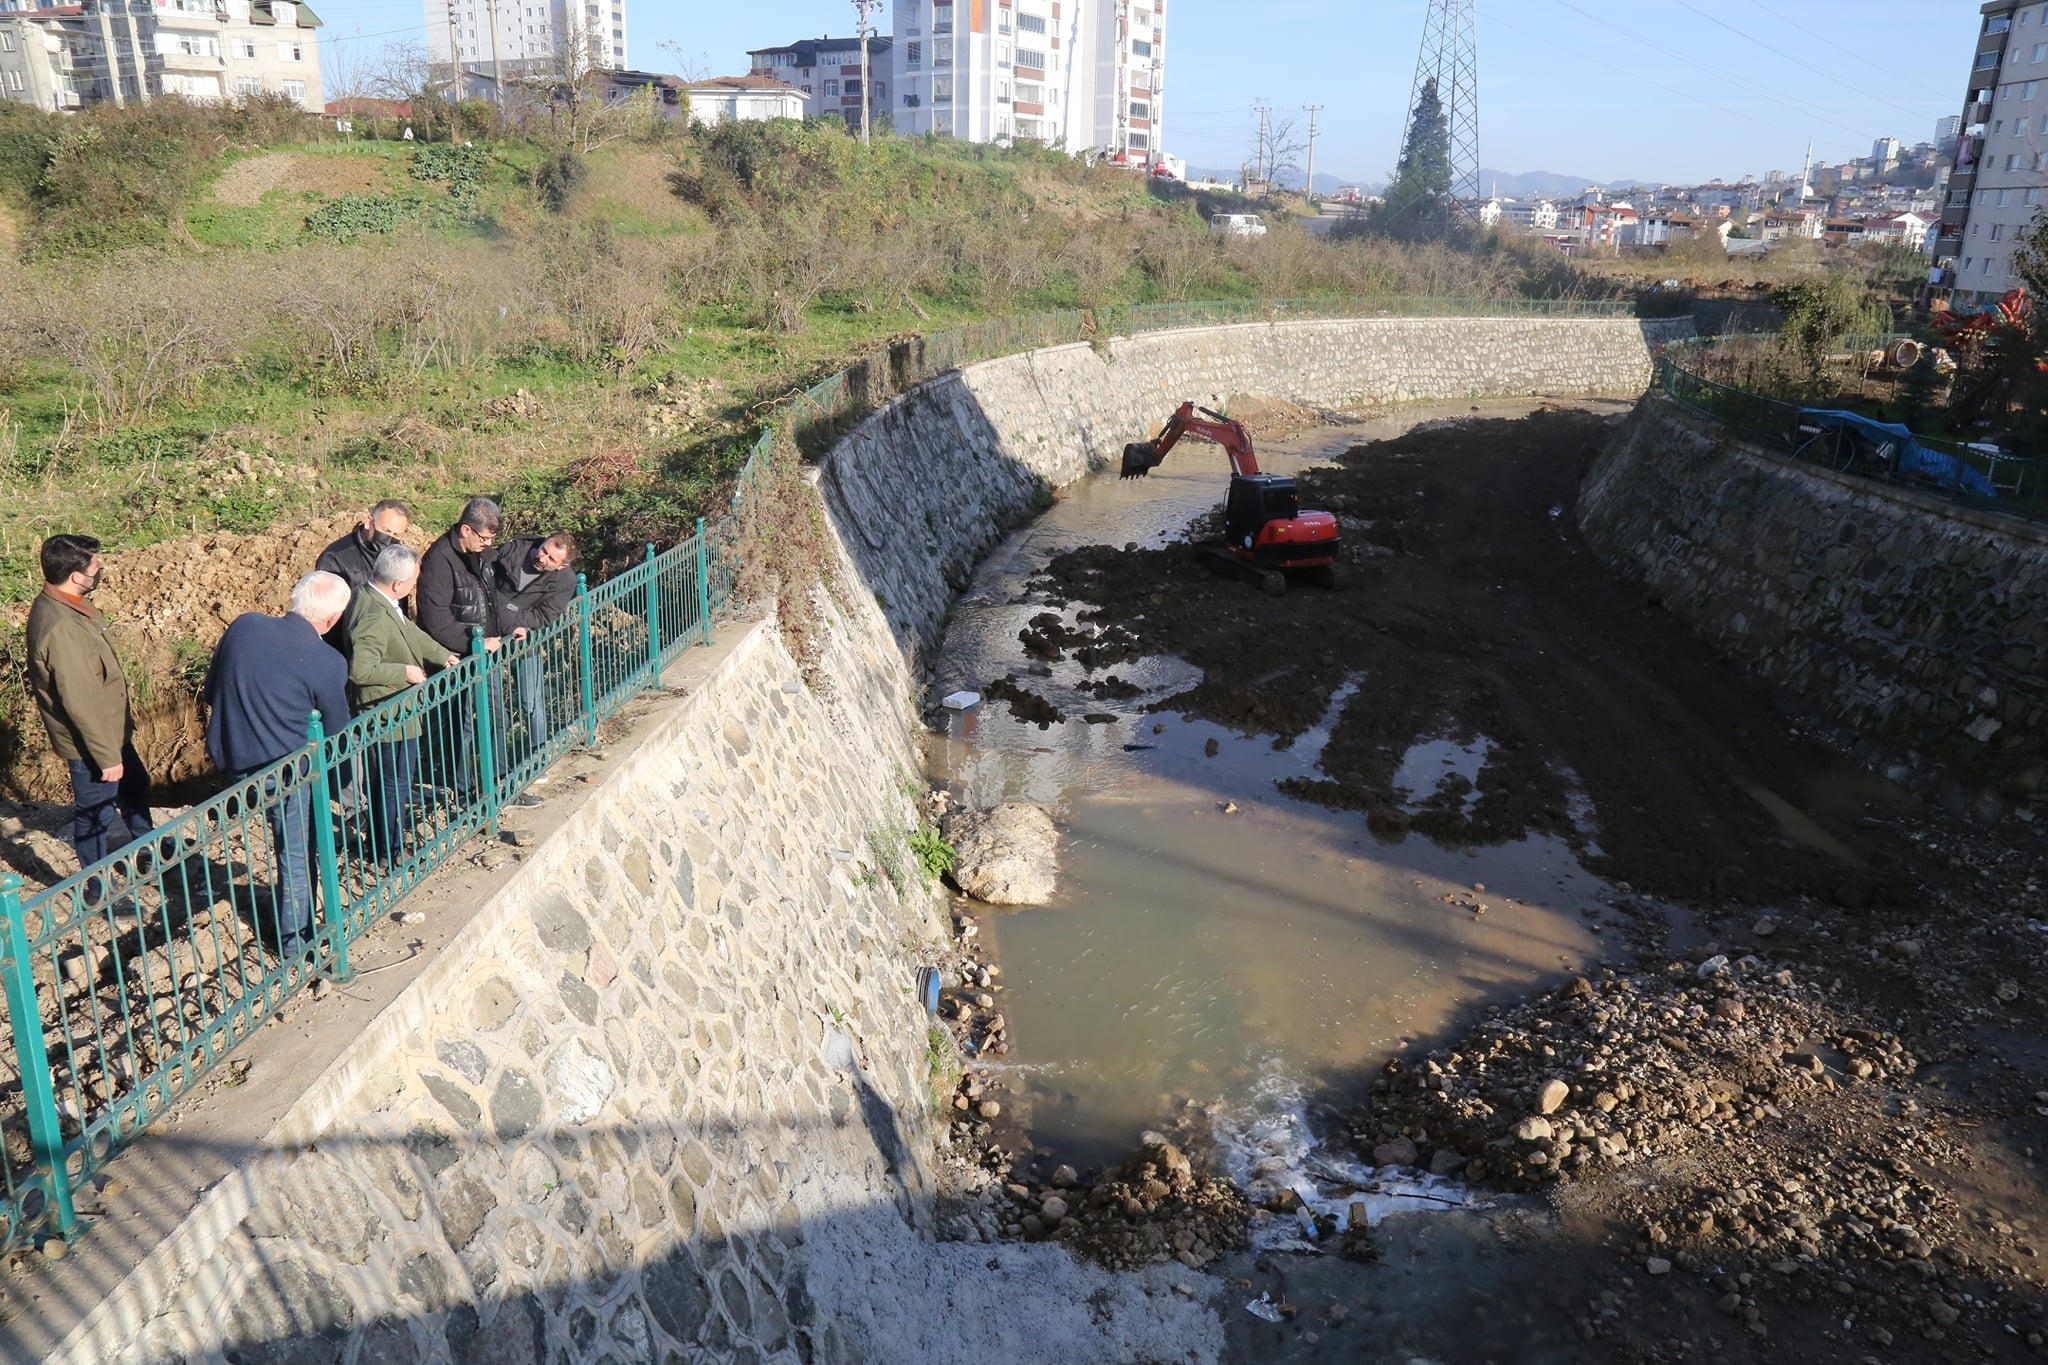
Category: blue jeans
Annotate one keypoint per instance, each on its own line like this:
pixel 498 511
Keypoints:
pixel 107 815
pixel 291 843
pixel 393 765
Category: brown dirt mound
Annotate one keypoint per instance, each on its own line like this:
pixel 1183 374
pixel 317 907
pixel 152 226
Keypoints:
pixel 1471 608
pixel 244 184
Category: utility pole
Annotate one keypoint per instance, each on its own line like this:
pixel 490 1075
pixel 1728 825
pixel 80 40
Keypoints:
pixel 497 66
pixel 1264 111
pixel 864 8
pixel 1312 110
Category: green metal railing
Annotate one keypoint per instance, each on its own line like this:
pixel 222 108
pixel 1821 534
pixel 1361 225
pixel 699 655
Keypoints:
pixel 2013 485
pixel 130 982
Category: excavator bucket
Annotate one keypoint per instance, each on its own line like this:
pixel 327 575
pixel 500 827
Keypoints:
pixel 1140 458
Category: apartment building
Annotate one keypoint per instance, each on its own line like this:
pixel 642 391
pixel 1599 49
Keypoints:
pixel 828 73
pixel 484 37
pixel 2001 158
pixel 1083 75
pixel 68 56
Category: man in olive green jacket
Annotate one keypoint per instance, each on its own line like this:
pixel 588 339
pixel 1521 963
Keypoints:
pixel 386 655
pixel 76 679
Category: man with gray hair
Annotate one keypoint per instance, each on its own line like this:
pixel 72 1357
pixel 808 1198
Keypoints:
pixel 269 675
pixel 386 655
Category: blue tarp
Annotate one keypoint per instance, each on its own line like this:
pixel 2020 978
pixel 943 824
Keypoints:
pixel 1906 455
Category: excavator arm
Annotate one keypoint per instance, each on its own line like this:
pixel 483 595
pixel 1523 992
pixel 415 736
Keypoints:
pixel 1142 457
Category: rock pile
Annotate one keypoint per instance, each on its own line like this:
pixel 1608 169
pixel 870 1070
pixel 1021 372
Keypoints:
pixel 674 402
pixel 1157 1207
pixel 1594 1077
pixel 510 409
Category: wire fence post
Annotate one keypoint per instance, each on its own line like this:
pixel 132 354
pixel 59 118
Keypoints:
pixel 584 670
pixel 653 618
pixel 486 751
pixel 323 846
pixel 46 1138
pixel 703 583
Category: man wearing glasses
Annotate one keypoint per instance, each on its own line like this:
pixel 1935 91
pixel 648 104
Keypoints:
pixel 453 596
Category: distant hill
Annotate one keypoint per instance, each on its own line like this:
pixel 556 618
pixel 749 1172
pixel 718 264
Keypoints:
pixel 1525 185
pixel 1289 180
pixel 1545 184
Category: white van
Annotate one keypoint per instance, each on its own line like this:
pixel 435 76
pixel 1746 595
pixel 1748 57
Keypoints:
pixel 1237 225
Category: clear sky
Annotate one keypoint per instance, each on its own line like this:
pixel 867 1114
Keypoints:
pixel 1673 90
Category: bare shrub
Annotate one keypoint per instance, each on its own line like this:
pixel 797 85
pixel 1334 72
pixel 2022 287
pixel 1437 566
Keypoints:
pixel 785 260
pixel 612 293
pixel 139 328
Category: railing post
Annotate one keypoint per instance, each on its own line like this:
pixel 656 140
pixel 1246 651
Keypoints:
pixel 323 845
pixel 585 672
pixel 653 618
pixel 46 1139
pixel 703 583
pixel 486 751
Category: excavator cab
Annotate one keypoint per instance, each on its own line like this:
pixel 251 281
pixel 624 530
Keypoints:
pixel 1256 499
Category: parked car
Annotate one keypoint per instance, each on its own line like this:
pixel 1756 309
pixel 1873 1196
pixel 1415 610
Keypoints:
pixel 1237 225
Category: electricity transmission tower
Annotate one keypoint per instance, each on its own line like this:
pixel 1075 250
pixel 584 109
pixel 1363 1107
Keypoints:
pixel 1450 57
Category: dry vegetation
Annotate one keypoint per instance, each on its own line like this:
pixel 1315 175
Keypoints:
pixel 217 324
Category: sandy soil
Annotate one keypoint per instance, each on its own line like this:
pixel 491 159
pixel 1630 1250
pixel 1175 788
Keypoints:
pixel 1845 1167
pixel 246 182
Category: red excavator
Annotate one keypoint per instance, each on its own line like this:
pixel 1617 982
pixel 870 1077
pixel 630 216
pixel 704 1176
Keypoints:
pixel 1959 330
pixel 1265 532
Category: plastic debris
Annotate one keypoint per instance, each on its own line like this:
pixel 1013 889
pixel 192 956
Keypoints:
pixel 1264 1307
pixel 960 701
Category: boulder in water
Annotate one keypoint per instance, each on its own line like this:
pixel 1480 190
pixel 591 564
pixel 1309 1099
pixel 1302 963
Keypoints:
pixel 1006 856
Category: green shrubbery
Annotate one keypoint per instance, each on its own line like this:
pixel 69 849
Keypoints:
pixel 357 215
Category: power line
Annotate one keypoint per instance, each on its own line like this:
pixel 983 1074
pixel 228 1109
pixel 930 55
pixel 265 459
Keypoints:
pixel 1753 87
pixel 1733 111
pixel 1795 57
pixel 357 37
pixel 1835 40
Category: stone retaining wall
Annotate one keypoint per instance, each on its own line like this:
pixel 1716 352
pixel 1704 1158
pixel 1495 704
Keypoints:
pixel 1916 623
pixel 925 487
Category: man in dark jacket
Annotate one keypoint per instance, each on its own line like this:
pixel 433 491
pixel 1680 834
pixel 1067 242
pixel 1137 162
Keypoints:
pixel 75 676
pixel 453 595
pixel 532 585
pixel 353 556
pixel 269 674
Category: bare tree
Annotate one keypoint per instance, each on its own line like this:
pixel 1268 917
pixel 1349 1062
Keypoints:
pixel 582 111
pixel 1284 148
pixel 406 71
pixel 345 71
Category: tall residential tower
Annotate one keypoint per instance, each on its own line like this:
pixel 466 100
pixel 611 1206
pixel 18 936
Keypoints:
pixel 1996 185
pixel 526 35
pixel 1077 74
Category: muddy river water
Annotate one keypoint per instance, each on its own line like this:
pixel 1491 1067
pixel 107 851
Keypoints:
pixel 1212 938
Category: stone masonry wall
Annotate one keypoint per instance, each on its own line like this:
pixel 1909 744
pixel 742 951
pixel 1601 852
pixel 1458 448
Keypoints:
pixel 924 488
pixel 1916 623
pixel 685 1034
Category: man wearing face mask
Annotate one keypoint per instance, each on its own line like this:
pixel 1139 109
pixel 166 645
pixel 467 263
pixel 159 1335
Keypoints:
pixel 355 554
pixel 75 677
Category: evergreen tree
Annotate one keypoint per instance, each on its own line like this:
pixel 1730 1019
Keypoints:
pixel 1421 188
